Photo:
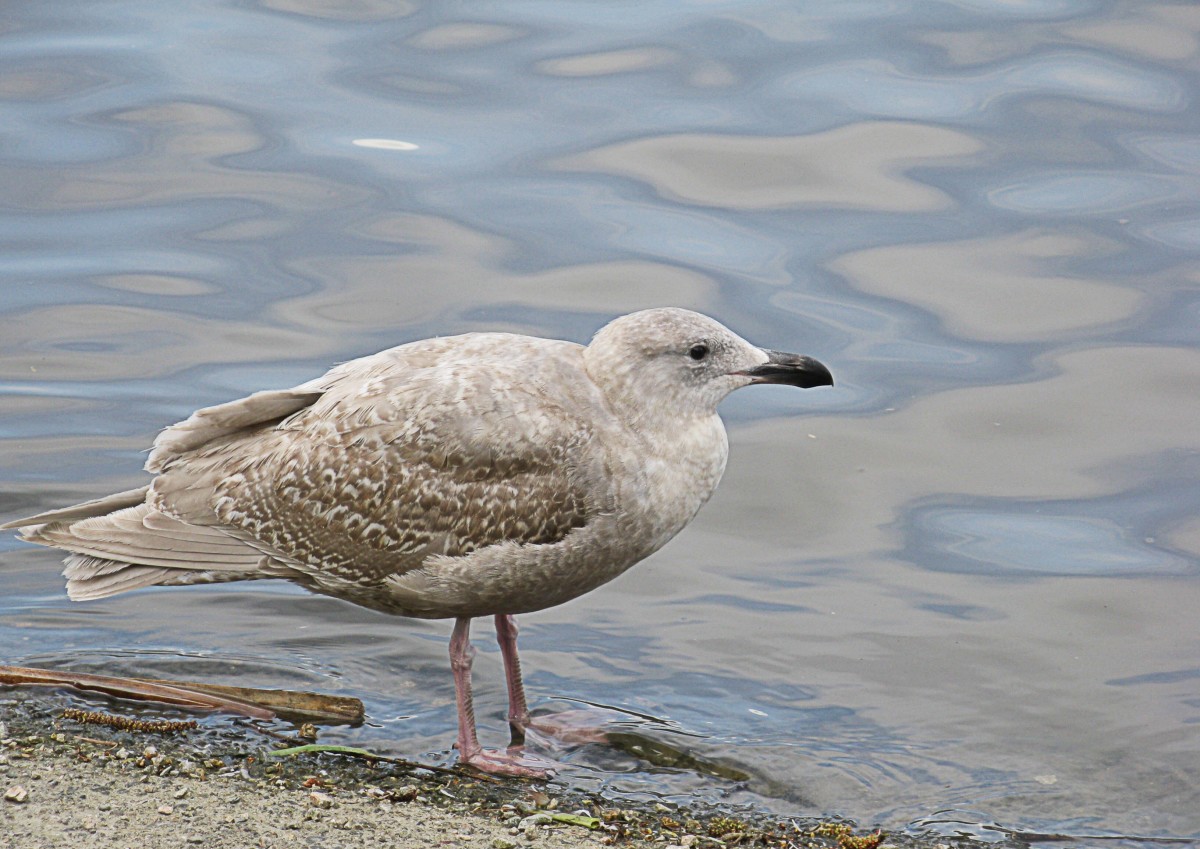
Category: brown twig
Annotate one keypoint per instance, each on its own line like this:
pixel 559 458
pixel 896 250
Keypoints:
pixel 254 703
pixel 131 688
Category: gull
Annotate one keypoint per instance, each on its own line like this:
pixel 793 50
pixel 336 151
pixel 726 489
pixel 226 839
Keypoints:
pixel 487 474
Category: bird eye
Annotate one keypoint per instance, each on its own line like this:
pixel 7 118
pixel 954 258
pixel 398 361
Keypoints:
pixel 698 352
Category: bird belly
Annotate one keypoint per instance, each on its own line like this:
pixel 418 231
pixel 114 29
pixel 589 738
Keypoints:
pixel 518 578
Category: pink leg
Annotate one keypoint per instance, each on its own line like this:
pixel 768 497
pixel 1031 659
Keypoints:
pixel 518 710
pixel 564 727
pixel 469 750
pixel 461 655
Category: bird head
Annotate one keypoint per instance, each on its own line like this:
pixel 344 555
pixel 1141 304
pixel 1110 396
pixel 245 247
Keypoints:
pixel 682 361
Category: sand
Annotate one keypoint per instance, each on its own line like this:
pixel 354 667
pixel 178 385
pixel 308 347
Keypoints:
pixel 65 802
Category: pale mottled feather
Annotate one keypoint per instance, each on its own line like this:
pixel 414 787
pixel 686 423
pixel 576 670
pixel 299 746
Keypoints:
pixel 459 476
pixel 212 423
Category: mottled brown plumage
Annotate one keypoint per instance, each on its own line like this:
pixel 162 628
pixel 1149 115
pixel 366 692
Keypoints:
pixel 485 474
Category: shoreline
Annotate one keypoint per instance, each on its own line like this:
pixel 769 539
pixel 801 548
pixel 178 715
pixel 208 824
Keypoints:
pixel 64 784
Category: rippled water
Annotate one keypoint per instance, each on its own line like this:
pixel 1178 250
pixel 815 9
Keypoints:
pixel 958 591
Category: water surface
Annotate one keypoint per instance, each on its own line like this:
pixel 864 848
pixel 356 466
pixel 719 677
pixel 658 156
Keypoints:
pixel 957 592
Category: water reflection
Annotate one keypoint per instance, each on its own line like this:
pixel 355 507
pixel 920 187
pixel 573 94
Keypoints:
pixel 873 87
pixel 997 543
pixel 859 166
pixel 1087 194
pixel 608 62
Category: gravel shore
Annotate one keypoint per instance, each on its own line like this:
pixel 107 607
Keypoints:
pixel 65 791
pixel 66 784
pixel 55 800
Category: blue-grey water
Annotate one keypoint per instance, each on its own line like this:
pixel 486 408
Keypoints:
pixel 958 592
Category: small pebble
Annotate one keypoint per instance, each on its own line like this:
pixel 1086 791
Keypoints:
pixel 16 793
pixel 534 820
pixel 503 843
pixel 180 793
pixel 320 800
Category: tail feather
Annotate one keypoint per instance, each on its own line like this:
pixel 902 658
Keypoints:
pixel 94 577
pixel 127 532
pixel 124 537
pixel 86 510
pixel 91 578
pixel 122 543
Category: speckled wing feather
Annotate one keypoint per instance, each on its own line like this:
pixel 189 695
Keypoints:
pixel 413 452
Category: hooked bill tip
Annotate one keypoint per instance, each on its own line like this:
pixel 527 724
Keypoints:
pixel 790 370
